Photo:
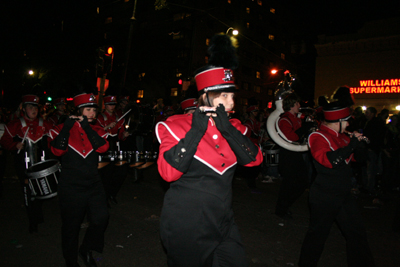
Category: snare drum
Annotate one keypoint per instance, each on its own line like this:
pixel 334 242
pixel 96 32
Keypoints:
pixel 104 160
pixel 43 178
pixel 138 158
pixel 271 155
pixel 121 158
pixel 150 158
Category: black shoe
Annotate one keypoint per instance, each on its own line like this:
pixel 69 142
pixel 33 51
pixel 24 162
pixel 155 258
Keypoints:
pixel 87 258
pixel 33 228
pixel 113 200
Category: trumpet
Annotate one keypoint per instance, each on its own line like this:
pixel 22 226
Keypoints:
pixel 361 138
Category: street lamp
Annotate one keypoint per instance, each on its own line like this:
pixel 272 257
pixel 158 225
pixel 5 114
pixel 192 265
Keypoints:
pixel 30 72
pixel 234 32
pixel 274 71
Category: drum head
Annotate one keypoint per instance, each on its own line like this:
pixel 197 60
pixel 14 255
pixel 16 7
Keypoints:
pixel 43 168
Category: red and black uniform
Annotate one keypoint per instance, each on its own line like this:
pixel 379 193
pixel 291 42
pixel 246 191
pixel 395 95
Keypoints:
pixel 199 155
pixel 331 199
pixel 291 166
pixel 254 126
pixel 251 174
pixel 113 176
pixel 34 151
pixel 80 189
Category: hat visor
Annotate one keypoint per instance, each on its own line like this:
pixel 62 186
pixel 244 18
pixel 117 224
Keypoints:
pixel 230 88
pixel 337 120
pixel 94 105
pixel 31 103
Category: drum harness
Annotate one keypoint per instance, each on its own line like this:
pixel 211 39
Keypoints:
pixel 31 148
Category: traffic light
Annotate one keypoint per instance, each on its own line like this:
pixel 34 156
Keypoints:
pixel 104 60
pixel 108 59
pixel 49 98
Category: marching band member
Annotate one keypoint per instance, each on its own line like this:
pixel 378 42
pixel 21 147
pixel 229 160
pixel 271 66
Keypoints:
pixel 330 197
pixel 189 105
pixel 198 154
pixel 295 178
pixel 254 126
pixel 25 136
pixel 60 113
pixel 112 176
pixel 123 102
pixel 78 142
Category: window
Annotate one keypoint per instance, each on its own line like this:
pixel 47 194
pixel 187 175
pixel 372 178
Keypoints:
pixel 271 37
pixel 207 41
pixel 259 2
pixel 174 91
pixel 257 89
pixel 141 76
pixel 140 94
pixel 282 56
pixel 179 74
pixel 272 10
pixel 258 75
pixel 108 20
pixel 177 36
pixel 248 25
pixel 248 10
pixel 182 54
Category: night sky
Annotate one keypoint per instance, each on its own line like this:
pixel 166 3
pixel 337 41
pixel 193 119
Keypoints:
pixel 31 32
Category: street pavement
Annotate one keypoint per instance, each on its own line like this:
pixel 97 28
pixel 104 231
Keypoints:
pixel 132 237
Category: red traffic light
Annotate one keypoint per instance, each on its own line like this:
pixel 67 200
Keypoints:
pixel 180 81
pixel 110 50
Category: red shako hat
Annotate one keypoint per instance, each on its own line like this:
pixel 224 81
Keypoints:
pixel 188 104
pixel 110 100
pixel 215 79
pixel 124 98
pixel 85 100
pixel 60 101
pixel 30 99
pixel 334 113
pixel 252 108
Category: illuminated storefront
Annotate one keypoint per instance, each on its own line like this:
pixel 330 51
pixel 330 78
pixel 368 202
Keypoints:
pixel 368 62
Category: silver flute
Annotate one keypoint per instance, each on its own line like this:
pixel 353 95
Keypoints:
pixel 361 138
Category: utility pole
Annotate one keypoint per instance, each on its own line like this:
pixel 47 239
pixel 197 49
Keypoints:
pixel 129 45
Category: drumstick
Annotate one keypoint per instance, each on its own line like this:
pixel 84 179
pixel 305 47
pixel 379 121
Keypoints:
pixel 124 115
pixel 23 140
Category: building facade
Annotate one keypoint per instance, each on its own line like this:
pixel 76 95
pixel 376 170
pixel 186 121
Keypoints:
pixel 368 62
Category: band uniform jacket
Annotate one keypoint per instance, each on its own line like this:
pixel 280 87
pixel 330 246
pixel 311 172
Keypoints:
pixel 79 161
pixel 36 132
pixel 333 177
pixel 254 126
pixel 105 119
pixel 288 124
pixel 201 198
pixel 14 132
